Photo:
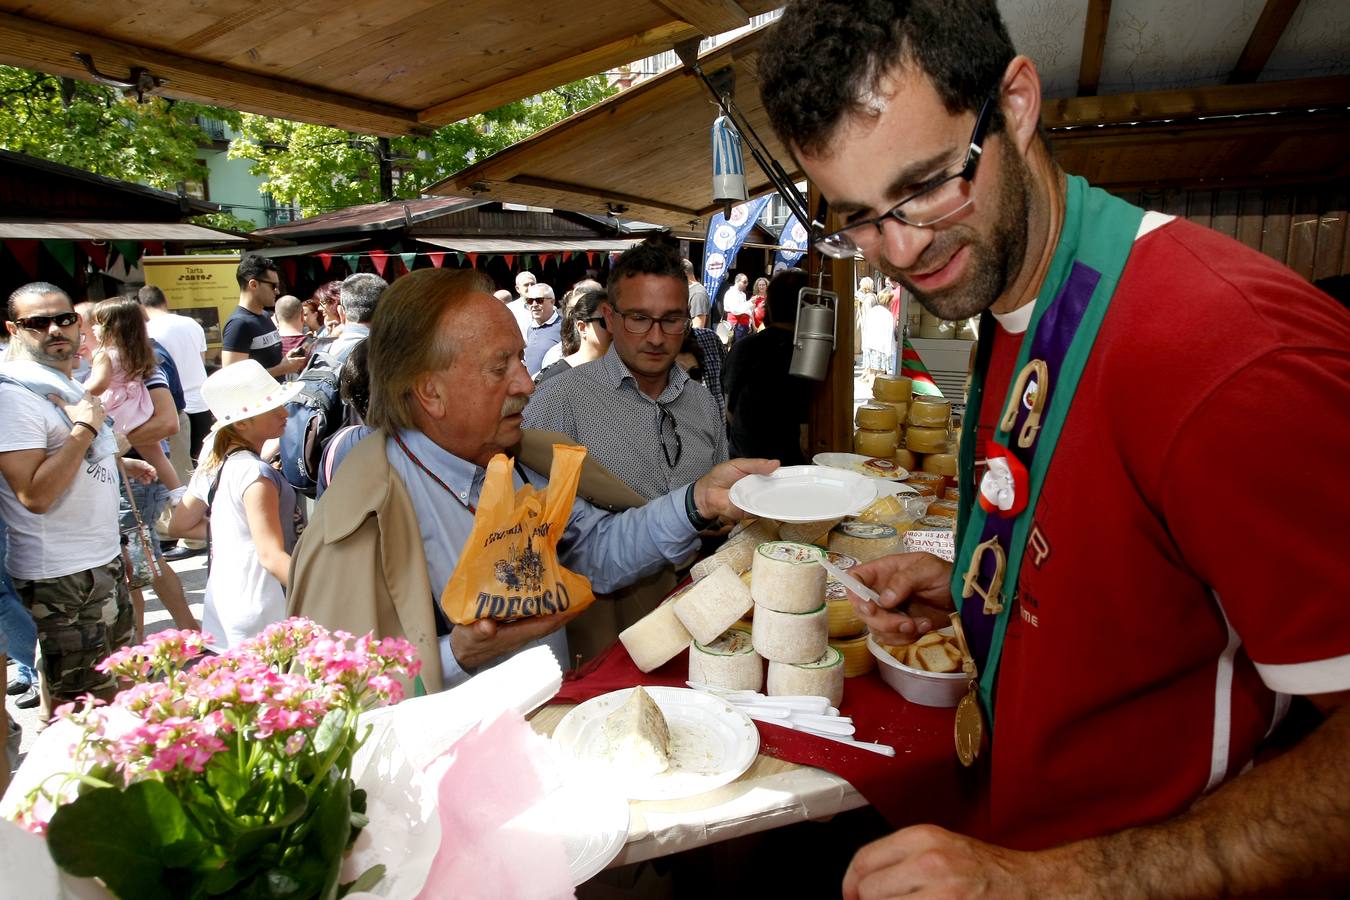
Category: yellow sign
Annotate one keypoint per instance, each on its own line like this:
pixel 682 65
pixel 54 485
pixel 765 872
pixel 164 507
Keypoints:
pixel 200 287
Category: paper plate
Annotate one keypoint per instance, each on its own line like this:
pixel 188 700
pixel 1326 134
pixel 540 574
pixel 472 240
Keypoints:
pixel 805 493
pixel 852 462
pixel 590 816
pixel 712 743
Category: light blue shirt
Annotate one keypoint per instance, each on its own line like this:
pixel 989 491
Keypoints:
pixel 611 549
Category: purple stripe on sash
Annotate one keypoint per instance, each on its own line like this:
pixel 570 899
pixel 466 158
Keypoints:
pixel 1054 335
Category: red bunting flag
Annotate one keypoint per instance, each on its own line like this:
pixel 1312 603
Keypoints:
pixel 544 259
pixel 26 255
pixel 436 259
pixel 97 253
pixel 289 269
pixel 510 259
pixel 326 259
pixel 567 254
pixel 153 248
pixel 590 256
pixel 381 261
pixel 473 260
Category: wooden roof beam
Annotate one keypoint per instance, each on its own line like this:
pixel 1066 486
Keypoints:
pixel 579 65
pixel 1218 100
pixel 709 16
pixel 50 48
pixel 609 198
pixel 1274 19
pixel 1094 47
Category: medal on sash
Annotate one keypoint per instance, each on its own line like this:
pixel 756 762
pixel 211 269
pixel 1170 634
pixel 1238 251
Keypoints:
pixel 995 519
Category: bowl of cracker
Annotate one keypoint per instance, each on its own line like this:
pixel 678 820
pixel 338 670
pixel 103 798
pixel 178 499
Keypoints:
pixel 927 672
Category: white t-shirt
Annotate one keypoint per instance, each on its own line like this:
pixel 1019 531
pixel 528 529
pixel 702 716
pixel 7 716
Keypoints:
pixel 185 342
pixel 242 598
pixel 736 303
pixel 80 531
pixel 522 314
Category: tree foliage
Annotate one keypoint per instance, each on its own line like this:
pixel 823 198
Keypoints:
pixel 97 129
pixel 320 168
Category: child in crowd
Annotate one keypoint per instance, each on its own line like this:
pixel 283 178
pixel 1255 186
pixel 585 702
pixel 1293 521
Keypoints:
pixel 250 506
pixel 121 363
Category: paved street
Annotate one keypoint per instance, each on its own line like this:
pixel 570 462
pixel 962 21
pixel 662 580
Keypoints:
pixel 193 574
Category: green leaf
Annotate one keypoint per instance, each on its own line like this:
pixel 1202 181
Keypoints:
pixel 364 882
pixel 330 731
pixel 130 839
pixel 332 825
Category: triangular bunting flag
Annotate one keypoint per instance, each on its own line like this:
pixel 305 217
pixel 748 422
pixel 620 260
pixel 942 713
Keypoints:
pixel 545 259
pixel 380 260
pixel 26 255
pixel 352 260
pixel 289 269
pixel 408 260
pixel 64 253
pixel 590 256
pixel 510 259
pixel 473 259
pixel 326 259
pixel 567 254
pixel 436 259
pixel 97 253
pixel 129 250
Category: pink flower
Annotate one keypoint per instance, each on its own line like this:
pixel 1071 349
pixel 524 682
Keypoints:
pixel 386 688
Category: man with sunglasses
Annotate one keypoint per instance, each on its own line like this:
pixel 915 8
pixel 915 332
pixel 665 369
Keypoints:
pixel 545 329
pixel 249 332
pixel 638 413
pixel 59 497
pixel 1132 661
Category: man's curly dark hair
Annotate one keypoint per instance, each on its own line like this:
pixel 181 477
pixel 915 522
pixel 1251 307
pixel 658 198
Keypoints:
pixel 825 59
pixel 654 256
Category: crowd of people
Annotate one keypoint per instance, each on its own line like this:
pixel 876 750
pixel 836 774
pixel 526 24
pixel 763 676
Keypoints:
pixel 1163 712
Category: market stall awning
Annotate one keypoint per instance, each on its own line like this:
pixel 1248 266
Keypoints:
pixel 364 65
pixel 307 249
pixel 180 232
pixel 645 153
pixel 529 245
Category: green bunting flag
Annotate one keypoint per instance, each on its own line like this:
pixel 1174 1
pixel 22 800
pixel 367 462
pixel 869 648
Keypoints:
pixel 352 260
pixel 408 260
pixel 64 253
pixel 130 252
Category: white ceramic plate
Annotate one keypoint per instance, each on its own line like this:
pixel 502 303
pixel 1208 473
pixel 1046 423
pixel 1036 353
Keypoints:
pixel 805 493
pixel 589 816
pixel 852 462
pixel 712 743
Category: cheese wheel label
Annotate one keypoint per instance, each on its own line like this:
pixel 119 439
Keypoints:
pixel 872 530
pixel 840 560
pixel 787 551
pixel 733 642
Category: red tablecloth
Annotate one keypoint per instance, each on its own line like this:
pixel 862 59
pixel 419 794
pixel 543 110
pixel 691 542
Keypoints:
pixel 923 782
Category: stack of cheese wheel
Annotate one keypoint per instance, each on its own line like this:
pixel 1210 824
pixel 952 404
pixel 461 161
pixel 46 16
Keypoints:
pixel 822 677
pixel 656 638
pixel 729 663
pixel 791 622
pixel 894 391
pixel 929 425
pixel 739 550
pixel 848 632
pixel 878 430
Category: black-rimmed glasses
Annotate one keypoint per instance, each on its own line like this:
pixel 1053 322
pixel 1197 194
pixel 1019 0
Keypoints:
pixel 44 323
pixel 641 323
pixel 943 197
pixel 670 437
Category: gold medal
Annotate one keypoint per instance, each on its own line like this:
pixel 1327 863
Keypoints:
pixel 969 719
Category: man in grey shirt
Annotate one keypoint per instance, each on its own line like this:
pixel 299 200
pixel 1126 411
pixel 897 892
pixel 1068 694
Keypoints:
pixel 356 305
pixel 700 304
pixel 637 412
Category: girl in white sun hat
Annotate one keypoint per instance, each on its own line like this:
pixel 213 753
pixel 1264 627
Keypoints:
pixel 251 508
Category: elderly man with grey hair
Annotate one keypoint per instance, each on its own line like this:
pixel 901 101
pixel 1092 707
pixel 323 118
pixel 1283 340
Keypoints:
pixel 356 305
pixel 447 388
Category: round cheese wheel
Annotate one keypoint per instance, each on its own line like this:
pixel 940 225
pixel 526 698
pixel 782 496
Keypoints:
pixel 822 677
pixel 943 508
pixel 876 417
pixel 930 412
pixel 843 618
pixel 729 663
pixel 712 605
pixel 656 638
pixel 905 459
pixel 922 439
pixel 935 523
pixel 739 550
pixel 864 541
pixel 893 388
pixel 927 483
pixel 940 464
pixel 875 443
pixel 858 660
pixel 791 637
pixel 788 577
pixel 901 409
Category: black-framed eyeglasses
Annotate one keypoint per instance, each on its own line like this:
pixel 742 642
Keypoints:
pixel 941 198
pixel 274 285
pixel 641 323
pixel 670 437
pixel 44 323
pixel 535 301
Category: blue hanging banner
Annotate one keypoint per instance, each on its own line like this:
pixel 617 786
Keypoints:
pixel 791 244
pixel 725 237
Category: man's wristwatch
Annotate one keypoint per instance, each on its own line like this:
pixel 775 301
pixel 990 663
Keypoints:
pixel 695 517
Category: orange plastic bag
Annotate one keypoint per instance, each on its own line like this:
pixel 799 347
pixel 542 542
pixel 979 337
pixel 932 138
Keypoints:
pixel 509 568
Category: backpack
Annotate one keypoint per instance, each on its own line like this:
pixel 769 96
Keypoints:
pixel 313 417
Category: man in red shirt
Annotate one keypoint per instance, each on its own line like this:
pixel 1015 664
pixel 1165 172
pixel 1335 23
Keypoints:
pixel 1166 598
